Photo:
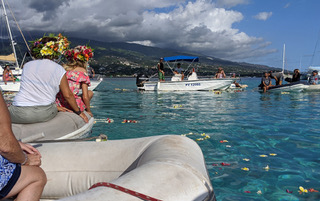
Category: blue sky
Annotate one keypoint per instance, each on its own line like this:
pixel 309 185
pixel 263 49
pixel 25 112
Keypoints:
pixel 252 31
pixel 294 23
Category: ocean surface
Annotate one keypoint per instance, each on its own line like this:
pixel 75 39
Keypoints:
pixel 261 146
pixel 249 132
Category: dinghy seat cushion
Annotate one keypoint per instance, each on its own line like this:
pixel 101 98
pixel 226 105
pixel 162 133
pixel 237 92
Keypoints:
pixel 62 124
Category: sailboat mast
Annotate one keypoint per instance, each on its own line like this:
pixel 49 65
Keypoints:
pixel 10 35
pixel 283 57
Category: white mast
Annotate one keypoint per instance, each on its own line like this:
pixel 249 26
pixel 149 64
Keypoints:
pixel 10 35
pixel 283 57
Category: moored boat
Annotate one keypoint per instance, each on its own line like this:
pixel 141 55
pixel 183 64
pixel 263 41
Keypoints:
pixel 170 168
pixel 193 83
pixel 291 87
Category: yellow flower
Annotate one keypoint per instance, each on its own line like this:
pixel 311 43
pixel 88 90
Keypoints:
pixel 263 156
pixel 49 43
pixel 246 159
pixel 302 190
pixel 245 169
pixel 272 154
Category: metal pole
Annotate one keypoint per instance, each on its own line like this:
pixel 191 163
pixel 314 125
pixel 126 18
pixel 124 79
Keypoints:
pixel 10 35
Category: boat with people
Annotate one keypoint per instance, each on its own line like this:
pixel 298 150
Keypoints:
pixel 290 87
pixel 193 83
pixel 11 58
pixel 167 167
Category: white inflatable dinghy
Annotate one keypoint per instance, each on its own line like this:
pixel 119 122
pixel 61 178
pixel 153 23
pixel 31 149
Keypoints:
pixel 169 168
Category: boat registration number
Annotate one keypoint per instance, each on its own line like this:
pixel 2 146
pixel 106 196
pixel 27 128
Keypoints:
pixel 192 84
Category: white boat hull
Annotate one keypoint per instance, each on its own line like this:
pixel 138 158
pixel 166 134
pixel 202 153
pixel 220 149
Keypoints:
pixel 313 87
pixel 289 88
pixel 170 168
pixel 10 86
pixel 190 85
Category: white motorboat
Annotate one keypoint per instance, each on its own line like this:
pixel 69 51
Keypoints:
pixel 168 167
pixel 193 83
pixel 65 125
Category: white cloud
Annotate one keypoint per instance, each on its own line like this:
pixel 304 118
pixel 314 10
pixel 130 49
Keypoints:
pixel 263 16
pixel 198 26
pixel 287 5
pixel 230 3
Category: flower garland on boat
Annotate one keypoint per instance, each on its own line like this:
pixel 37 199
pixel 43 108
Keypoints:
pixel 51 46
pixel 79 53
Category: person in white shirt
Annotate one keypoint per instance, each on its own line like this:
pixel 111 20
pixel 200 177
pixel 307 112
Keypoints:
pixel 41 80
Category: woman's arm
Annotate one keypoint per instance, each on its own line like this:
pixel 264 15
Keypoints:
pixel 68 95
pixel 85 97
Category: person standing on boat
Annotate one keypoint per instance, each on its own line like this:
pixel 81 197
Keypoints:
pixel 265 82
pixel 7 75
pixel 41 80
pixel 278 76
pixel 20 172
pixel 179 71
pixel 314 78
pixel 161 70
pixel 78 78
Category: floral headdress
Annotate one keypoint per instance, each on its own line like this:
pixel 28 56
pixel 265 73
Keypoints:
pixel 49 46
pixel 79 53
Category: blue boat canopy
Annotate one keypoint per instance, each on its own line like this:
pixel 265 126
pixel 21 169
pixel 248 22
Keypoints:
pixel 181 58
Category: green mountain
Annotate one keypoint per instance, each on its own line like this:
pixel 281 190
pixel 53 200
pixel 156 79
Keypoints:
pixel 128 59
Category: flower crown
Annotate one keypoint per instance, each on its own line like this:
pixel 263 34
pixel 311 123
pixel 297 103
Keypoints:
pixel 79 53
pixel 49 46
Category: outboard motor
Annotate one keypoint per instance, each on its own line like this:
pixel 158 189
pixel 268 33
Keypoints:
pixel 141 79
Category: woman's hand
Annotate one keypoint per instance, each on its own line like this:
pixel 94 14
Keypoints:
pixel 84 117
pixel 90 113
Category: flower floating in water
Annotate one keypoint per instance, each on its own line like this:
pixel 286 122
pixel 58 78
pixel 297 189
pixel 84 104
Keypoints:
pixel 263 156
pixel 247 191
pixel 302 190
pixel 246 159
pixel 311 190
pixel 225 164
pixel 245 169
pixel 266 168
pixel 129 121
pixel 228 146
pixel 272 154
pixel 259 192
pixel 199 139
pixel 223 141
pixel 288 191
pixel 177 106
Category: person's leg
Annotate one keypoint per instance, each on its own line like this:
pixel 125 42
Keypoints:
pixel 90 93
pixel 30 184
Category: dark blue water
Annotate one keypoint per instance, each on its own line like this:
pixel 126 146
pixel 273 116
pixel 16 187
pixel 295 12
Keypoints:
pixel 254 124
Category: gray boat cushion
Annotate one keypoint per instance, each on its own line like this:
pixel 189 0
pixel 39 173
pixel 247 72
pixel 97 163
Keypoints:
pixel 61 125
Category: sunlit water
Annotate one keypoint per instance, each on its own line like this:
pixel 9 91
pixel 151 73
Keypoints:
pixel 253 123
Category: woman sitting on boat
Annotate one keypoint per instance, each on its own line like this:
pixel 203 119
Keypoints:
pixel 220 73
pixel 265 82
pixel 7 75
pixel 77 78
pixel 41 80
pixel 314 79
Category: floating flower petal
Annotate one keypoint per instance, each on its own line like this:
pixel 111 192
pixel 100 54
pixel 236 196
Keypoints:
pixel 245 169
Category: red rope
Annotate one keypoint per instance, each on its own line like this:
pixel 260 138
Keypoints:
pixel 125 190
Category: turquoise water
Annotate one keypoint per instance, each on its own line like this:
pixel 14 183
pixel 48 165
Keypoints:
pixel 253 123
